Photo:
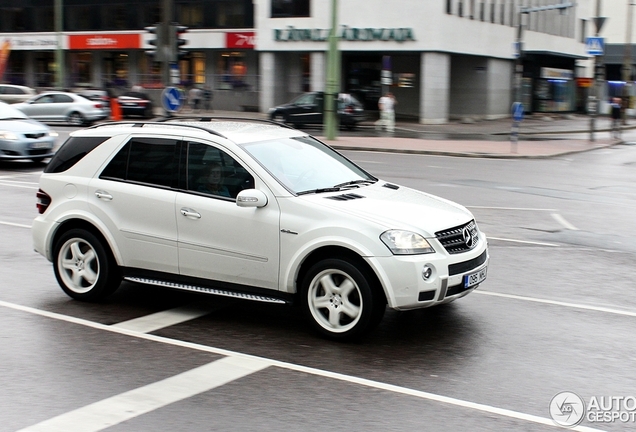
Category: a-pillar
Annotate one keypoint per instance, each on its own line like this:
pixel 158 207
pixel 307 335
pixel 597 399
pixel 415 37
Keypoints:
pixel 434 88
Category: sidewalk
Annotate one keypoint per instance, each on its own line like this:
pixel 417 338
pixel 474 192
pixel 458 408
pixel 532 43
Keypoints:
pixel 540 136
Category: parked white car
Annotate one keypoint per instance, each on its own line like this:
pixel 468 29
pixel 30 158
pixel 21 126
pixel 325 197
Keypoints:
pixel 250 210
pixel 66 107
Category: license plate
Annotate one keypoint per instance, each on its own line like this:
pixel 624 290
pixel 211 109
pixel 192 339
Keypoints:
pixel 40 145
pixel 475 278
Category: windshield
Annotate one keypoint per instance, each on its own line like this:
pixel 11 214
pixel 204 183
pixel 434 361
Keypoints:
pixel 305 165
pixel 8 112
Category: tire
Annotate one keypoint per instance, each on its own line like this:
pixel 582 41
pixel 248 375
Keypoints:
pixel 75 119
pixel 340 301
pixel 279 118
pixel 83 267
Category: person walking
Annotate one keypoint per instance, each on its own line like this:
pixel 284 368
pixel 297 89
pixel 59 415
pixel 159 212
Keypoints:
pixel 386 104
pixel 207 98
pixel 616 117
pixel 194 95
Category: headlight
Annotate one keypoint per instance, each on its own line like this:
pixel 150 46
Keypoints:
pixel 9 136
pixel 406 242
pixel 53 134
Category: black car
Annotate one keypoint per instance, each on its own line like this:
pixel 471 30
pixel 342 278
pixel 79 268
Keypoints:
pixel 135 104
pixel 308 109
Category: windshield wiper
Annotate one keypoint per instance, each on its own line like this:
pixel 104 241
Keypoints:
pixel 355 183
pixel 320 190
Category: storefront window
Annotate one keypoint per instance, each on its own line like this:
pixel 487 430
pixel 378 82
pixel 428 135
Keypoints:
pixel 190 14
pixel 290 8
pixel 233 70
pixel 81 68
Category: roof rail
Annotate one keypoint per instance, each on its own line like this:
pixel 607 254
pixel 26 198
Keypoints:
pixel 206 118
pixel 143 123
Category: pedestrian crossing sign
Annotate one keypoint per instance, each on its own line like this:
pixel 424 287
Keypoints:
pixel 595 46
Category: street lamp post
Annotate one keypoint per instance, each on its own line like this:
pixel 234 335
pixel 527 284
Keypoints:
pixel 596 97
pixel 59 53
pixel 627 62
pixel 333 77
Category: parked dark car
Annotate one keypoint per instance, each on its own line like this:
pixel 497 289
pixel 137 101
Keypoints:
pixel 308 108
pixel 134 103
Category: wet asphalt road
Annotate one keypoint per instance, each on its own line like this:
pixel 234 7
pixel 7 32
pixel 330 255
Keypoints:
pixel 557 313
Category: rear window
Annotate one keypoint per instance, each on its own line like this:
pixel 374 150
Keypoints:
pixel 71 152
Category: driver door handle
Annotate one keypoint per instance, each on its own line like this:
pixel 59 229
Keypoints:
pixel 188 212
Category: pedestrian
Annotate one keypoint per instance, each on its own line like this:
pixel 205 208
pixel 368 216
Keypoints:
pixel 195 98
pixel 616 117
pixel 207 98
pixel 386 104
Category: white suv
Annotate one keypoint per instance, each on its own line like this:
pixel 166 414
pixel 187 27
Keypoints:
pixel 251 210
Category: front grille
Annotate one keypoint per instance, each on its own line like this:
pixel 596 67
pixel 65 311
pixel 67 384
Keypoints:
pixel 35 135
pixel 36 152
pixel 465 266
pixel 459 239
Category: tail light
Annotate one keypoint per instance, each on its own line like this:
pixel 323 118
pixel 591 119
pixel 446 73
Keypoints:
pixel 43 201
pixel 349 109
pixel 98 105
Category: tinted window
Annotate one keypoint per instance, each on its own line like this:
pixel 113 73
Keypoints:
pixel 145 160
pixel 213 172
pixel 60 98
pixel 72 151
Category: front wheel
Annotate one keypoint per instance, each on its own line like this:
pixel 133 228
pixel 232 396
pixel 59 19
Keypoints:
pixel 341 301
pixel 83 267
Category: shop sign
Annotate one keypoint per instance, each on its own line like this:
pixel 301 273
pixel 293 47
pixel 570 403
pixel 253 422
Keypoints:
pixel 292 34
pixel 554 73
pixel 32 42
pixel 104 41
pixel 245 40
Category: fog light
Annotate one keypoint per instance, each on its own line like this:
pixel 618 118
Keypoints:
pixel 426 272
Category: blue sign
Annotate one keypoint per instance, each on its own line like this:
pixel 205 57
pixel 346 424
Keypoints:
pixel 172 99
pixel 517 111
pixel 595 45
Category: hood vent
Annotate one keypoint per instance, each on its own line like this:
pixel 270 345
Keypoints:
pixel 345 197
pixel 390 186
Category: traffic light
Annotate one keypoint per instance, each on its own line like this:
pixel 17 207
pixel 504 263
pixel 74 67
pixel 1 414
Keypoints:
pixel 176 33
pixel 157 42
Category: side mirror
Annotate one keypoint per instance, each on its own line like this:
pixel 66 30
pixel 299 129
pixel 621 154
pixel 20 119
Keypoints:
pixel 251 198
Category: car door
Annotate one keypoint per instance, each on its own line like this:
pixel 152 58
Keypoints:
pixel 39 108
pixel 304 110
pixel 62 106
pixel 133 196
pixel 217 239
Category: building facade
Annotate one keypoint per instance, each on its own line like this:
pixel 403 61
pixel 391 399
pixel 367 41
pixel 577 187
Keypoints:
pixel 442 59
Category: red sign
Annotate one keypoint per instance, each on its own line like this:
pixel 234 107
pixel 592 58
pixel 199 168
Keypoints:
pixel 104 41
pixel 245 40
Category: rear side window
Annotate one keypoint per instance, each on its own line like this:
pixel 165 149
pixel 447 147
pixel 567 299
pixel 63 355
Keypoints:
pixel 71 152
pixel 151 161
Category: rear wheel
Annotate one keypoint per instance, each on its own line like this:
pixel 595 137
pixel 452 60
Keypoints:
pixel 83 267
pixel 75 119
pixel 341 301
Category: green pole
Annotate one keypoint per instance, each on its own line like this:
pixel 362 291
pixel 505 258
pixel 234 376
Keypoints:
pixel 333 77
pixel 59 53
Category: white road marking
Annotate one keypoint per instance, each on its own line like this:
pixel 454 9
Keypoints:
pixel 511 208
pixel 559 303
pixel 523 241
pixel 159 320
pixel 289 366
pixel 560 219
pixel 125 406
pixel 12 184
pixel 15 224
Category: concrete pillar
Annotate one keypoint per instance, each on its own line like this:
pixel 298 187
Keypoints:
pixel 267 82
pixel 498 92
pixel 318 68
pixel 97 71
pixel 29 69
pixel 434 88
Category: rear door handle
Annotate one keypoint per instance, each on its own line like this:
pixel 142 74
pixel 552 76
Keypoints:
pixel 103 195
pixel 187 212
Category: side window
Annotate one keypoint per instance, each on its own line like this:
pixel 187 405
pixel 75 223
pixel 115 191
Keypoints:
pixel 211 171
pixel 60 98
pixel 149 161
pixel 44 99
pixel 71 152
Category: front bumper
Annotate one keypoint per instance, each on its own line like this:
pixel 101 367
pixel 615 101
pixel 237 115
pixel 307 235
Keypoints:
pixel 406 288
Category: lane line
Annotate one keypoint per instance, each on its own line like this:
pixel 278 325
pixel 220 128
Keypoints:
pixel 558 303
pixel 522 241
pixel 159 320
pixel 560 219
pixel 125 406
pixel 3 183
pixel 511 208
pixel 15 224
pixel 304 369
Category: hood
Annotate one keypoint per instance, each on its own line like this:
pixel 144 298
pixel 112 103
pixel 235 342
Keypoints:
pixel 396 207
pixel 23 126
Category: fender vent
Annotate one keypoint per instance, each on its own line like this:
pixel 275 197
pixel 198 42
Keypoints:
pixel 345 197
